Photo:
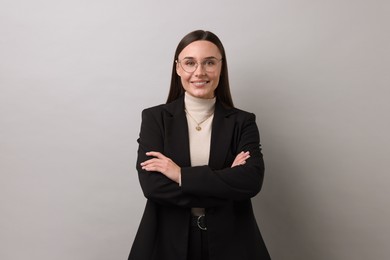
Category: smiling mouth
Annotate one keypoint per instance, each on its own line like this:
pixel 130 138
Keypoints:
pixel 200 83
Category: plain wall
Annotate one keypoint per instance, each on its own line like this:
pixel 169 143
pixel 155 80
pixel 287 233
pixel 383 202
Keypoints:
pixel 75 75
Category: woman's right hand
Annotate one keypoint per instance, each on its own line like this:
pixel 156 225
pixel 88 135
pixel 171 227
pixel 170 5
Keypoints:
pixel 240 159
pixel 163 164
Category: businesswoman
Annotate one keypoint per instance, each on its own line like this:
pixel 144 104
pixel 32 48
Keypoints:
pixel 199 164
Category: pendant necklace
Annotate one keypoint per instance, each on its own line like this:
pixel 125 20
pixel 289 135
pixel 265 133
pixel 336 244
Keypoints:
pixel 198 127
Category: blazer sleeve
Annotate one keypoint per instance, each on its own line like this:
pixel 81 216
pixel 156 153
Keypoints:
pixel 237 183
pixel 156 186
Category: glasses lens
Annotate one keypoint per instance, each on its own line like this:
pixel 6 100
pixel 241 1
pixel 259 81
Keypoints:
pixel 210 65
pixel 190 65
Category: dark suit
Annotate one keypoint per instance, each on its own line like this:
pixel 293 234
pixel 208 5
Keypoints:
pixel 225 192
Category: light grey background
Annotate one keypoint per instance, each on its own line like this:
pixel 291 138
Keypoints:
pixel 75 75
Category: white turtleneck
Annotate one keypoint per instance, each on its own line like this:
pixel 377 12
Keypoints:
pixel 199 112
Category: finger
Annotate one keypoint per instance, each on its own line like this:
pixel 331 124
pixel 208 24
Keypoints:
pixel 242 156
pixel 245 155
pixel 151 166
pixel 150 161
pixel 239 156
pixel 155 164
pixel 156 154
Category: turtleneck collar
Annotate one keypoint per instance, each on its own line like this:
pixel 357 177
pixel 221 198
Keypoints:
pixel 199 106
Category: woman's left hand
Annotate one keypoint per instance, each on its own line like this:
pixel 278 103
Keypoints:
pixel 241 159
pixel 162 164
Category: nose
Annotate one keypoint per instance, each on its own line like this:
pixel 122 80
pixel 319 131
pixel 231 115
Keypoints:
pixel 200 70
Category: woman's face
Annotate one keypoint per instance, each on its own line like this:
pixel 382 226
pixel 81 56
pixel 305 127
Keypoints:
pixel 199 68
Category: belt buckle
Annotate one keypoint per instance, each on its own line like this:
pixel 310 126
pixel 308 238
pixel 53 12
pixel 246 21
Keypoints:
pixel 201 222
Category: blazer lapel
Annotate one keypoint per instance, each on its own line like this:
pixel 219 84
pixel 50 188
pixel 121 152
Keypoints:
pixel 177 140
pixel 176 133
pixel 221 136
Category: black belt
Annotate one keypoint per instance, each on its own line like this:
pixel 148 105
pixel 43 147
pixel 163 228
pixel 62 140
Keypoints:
pixel 199 221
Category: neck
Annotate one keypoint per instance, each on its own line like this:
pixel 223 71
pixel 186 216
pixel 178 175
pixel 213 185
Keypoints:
pixel 199 107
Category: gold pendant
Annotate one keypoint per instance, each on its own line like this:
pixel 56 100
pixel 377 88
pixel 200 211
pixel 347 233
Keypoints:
pixel 198 128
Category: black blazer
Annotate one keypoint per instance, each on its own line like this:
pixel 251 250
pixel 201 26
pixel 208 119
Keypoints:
pixel 225 192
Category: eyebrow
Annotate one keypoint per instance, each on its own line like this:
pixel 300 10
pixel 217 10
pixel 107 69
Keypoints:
pixel 192 58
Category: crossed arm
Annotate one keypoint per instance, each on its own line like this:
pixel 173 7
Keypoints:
pixel 161 163
pixel 201 186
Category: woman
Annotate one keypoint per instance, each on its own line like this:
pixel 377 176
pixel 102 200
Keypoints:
pixel 199 164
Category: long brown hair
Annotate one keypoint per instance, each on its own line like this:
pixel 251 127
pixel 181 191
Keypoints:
pixel 222 92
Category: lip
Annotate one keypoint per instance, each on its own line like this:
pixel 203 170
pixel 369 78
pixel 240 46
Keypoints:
pixel 200 83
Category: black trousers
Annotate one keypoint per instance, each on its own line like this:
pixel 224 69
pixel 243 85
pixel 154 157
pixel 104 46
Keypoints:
pixel 198 244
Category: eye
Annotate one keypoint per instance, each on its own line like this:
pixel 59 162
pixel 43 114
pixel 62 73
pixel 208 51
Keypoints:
pixel 190 63
pixel 210 62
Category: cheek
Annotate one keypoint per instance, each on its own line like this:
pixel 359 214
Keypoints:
pixel 217 75
pixel 216 78
pixel 180 72
pixel 184 82
pixel 184 76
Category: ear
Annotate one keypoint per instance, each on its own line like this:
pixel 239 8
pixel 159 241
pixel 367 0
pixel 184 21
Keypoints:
pixel 178 69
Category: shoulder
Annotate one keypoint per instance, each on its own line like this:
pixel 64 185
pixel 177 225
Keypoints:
pixel 153 115
pixel 172 108
pixel 162 112
pixel 243 113
pixel 239 114
pixel 154 109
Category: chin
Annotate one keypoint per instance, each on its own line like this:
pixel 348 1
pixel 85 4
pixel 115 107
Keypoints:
pixel 203 95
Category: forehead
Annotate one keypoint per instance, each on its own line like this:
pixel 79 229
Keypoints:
pixel 200 50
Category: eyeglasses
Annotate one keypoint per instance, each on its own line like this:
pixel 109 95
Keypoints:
pixel 190 65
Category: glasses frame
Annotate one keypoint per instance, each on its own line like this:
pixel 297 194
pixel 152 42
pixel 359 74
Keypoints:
pixel 197 63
